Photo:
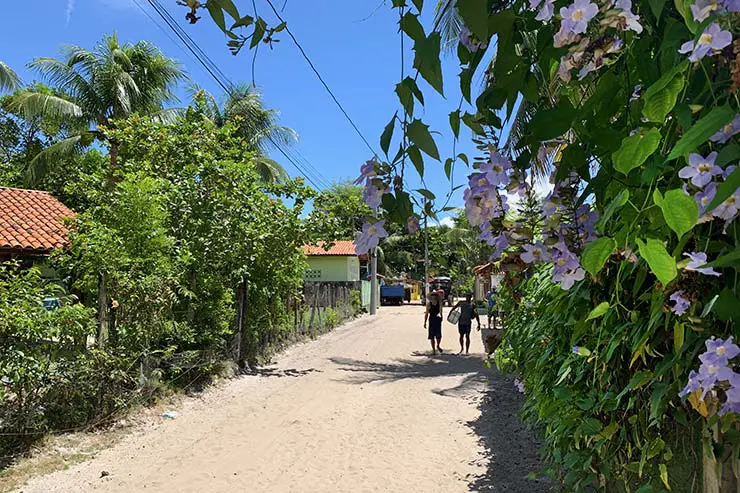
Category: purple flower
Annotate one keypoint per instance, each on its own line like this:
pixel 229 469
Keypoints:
pixel 474 214
pixel 412 225
pixel 711 373
pixel 719 351
pixel 534 253
pixel 693 385
pixel 697 260
pixel 728 209
pixel 681 303
pixel 547 11
pixel 700 170
pixel 497 169
pixel 373 193
pixel 577 16
pixel 576 350
pixel 702 9
pixel 368 170
pixel 500 243
pixel 631 20
pixel 636 93
pixel 370 236
pixel 478 183
pixel 728 171
pixel 704 197
pixel 732 404
pixel 727 131
pixel 731 5
pixel 713 39
pixel 615 46
pixel 567 269
pixel 519 385
pixel 471 42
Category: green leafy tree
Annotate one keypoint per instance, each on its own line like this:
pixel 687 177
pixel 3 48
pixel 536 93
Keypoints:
pixel 338 212
pixel 94 88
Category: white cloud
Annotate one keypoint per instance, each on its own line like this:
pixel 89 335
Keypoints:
pixel 447 221
pixel 69 11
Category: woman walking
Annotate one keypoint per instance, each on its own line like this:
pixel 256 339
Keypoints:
pixel 433 316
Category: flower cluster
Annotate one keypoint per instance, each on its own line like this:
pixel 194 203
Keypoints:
pixel 484 201
pixel 592 44
pixel 375 187
pixel 716 374
pixel 703 177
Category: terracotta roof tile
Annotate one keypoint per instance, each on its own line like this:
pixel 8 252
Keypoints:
pixel 345 248
pixel 31 221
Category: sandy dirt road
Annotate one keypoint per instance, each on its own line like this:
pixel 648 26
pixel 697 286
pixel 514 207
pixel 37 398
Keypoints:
pixel 362 409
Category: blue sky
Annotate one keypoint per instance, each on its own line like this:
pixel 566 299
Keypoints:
pixel 353 43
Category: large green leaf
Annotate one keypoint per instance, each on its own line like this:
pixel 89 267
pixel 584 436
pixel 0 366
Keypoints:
pixel 230 8
pixel 730 153
pixel 656 7
pixel 548 124
pixel 660 262
pixel 599 311
pixel 410 25
pixel 635 149
pixel 387 135
pixel 455 123
pixel 594 256
pixel 416 159
pixel 731 259
pixel 427 60
pixel 217 14
pixel 660 98
pixel 725 189
pixel 419 134
pixel 475 15
pixel 700 132
pixel 405 97
pixel 679 210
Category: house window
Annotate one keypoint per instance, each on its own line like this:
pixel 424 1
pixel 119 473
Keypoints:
pixel 313 274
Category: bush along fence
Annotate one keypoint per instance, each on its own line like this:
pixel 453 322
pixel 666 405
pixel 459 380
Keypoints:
pixel 184 258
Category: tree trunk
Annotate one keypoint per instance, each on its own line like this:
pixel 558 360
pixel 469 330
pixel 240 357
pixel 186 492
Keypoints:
pixel 102 310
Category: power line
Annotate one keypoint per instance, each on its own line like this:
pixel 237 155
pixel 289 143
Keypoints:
pixel 222 80
pixel 321 79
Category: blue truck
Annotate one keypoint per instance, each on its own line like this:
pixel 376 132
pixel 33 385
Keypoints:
pixel 392 294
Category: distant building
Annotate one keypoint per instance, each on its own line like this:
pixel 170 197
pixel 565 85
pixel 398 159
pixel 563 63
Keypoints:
pixel 487 276
pixel 31 224
pixel 339 263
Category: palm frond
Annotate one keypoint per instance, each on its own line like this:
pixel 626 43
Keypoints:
pixel 269 170
pixel 44 160
pixel 33 104
pixel 9 80
pixel 449 23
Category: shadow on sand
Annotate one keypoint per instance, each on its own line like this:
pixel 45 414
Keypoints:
pixel 510 449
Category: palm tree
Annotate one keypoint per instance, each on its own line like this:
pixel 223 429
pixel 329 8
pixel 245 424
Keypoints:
pixel 94 88
pixel 257 125
pixel 9 80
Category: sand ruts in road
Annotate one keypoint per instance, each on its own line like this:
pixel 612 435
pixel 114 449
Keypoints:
pixel 362 409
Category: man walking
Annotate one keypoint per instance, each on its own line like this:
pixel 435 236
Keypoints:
pixel 468 312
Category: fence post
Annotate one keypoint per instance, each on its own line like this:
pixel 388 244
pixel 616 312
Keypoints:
pixel 102 310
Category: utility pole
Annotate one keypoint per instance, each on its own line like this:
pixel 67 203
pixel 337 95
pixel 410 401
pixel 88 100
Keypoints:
pixel 373 281
pixel 426 258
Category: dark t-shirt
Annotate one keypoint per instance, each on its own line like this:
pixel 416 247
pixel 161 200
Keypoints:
pixel 467 313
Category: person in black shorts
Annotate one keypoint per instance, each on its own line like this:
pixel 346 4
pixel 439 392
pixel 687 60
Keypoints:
pixel 468 312
pixel 433 315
